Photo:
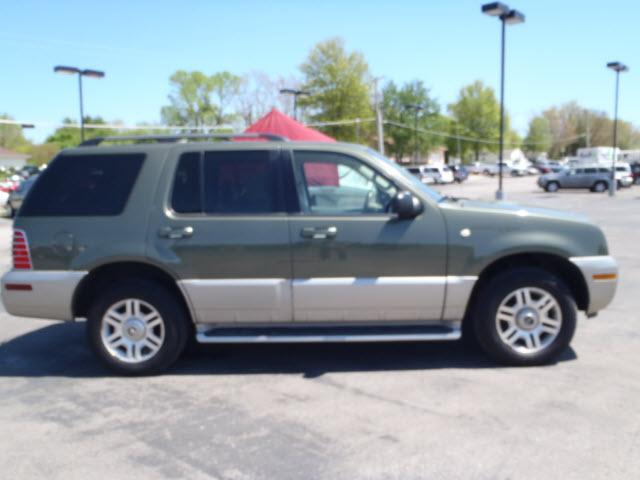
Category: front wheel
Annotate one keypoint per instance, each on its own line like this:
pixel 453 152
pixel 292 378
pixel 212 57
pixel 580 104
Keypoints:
pixel 525 317
pixel 552 187
pixel 599 187
pixel 137 328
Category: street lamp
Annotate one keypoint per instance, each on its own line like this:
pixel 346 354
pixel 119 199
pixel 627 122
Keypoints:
pixel 81 73
pixel 416 109
pixel 508 17
pixel 616 67
pixel 296 93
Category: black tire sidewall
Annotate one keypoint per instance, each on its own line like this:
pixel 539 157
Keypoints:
pixel 494 293
pixel 175 319
pixel 554 187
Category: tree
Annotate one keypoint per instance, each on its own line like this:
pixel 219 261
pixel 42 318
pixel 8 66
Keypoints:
pixel 198 99
pixel 259 93
pixel 395 102
pixel 40 154
pixel 11 136
pixel 226 88
pixel 339 84
pixel 539 135
pixel 66 137
pixel 477 113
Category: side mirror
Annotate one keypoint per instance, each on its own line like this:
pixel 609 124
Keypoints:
pixel 406 205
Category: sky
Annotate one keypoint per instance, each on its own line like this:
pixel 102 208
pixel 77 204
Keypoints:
pixel 558 55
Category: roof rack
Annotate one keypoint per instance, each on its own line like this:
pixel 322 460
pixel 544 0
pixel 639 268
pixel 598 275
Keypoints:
pixel 92 142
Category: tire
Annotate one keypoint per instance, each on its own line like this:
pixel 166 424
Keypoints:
pixel 153 343
pixel 507 332
pixel 552 187
pixel 599 187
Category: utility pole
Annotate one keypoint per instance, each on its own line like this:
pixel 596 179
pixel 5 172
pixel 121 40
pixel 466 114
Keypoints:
pixel 379 119
pixel 588 131
pixel 616 67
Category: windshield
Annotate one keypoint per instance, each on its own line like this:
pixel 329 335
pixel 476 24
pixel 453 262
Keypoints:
pixel 405 173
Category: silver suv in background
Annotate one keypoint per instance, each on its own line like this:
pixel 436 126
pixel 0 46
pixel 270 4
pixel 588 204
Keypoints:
pixel 595 179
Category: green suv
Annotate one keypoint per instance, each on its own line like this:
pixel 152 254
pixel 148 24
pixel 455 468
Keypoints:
pixel 154 240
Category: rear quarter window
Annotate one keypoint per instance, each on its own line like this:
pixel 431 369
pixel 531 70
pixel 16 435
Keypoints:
pixel 84 185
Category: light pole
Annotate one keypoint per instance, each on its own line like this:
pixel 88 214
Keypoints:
pixel 296 93
pixel 508 17
pixel 416 109
pixel 86 72
pixel 616 67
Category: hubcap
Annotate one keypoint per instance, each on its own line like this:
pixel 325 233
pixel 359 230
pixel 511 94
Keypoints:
pixel 132 330
pixel 529 320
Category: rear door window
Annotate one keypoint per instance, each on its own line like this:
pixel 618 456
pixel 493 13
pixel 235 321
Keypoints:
pixel 186 195
pixel 241 182
pixel 84 185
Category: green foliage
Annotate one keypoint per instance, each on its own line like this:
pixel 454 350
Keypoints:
pixel 67 137
pixel 539 135
pixel 395 105
pixel 198 99
pixel 11 136
pixel 572 127
pixel 339 83
pixel 40 154
pixel 477 113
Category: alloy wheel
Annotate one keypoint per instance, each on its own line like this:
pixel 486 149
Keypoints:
pixel 528 320
pixel 132 330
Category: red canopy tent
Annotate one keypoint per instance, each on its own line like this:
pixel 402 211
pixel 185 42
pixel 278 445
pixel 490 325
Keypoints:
pixel 277 123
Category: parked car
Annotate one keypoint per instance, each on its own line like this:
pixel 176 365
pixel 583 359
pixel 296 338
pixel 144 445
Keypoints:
pixel 16 196
pixel 624 175
pixel 460 173
pixel 596 179
pixel 492 169
pixel 421 175
pixel 158 240
pixel 436 173
pixel 635 172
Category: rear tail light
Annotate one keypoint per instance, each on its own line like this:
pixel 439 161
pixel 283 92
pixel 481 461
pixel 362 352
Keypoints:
pixel 20 251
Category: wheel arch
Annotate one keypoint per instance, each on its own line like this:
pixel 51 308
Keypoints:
pixel 557 265
pixel 106 274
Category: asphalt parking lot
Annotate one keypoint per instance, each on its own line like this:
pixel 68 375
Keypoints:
pixel 396 411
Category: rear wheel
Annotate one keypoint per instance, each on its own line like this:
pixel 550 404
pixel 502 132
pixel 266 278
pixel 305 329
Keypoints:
pixel 552 187
pixel 599 187
pixel 525 317
pixel 137 328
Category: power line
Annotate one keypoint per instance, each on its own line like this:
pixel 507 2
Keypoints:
pixel 116 126
pixel 355 121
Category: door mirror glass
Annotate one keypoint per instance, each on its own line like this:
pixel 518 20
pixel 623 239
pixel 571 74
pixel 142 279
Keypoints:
pixel 406 205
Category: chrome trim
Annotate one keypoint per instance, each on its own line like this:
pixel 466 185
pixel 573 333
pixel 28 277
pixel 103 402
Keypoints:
pixel 601 292
pixel 452 335
pixel 51 295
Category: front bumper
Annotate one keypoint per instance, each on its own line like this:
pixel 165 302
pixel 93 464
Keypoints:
pixel 40 294
pixel 601 276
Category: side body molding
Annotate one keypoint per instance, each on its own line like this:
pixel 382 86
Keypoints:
pixel 339 299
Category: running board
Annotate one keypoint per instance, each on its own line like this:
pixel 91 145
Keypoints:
pixel 336 334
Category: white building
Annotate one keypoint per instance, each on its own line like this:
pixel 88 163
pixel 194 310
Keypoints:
pixel 11 159
pixel 630 156
pixel 595 156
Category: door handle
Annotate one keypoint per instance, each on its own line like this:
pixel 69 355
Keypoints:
pixel 175 233
pixel 319 233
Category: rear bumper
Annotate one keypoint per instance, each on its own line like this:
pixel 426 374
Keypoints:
pixel 601 276
pixel 40 294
